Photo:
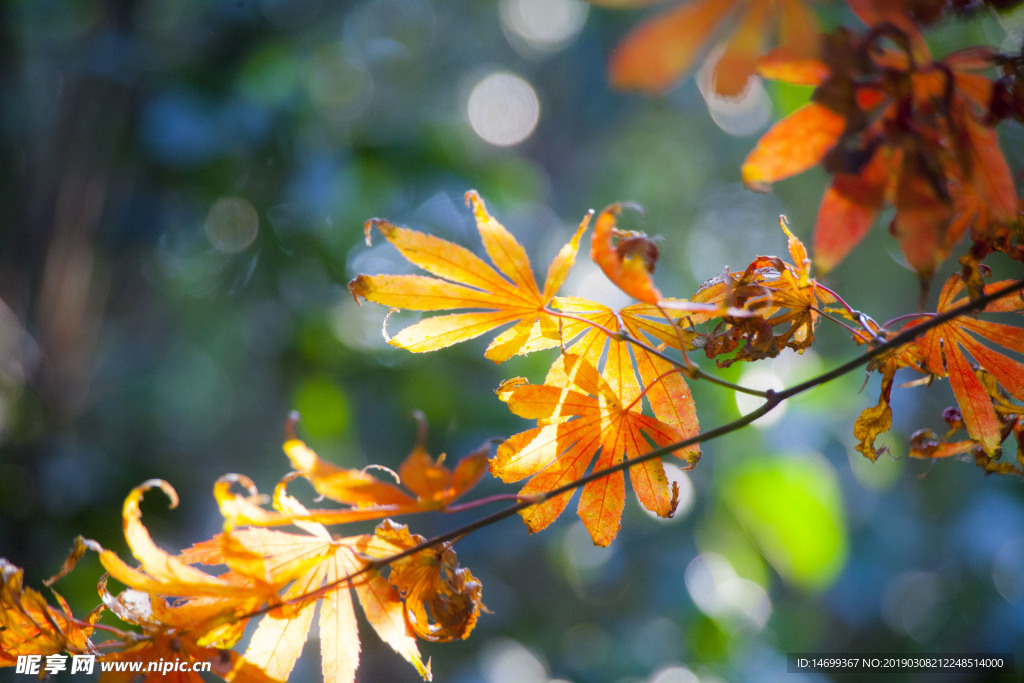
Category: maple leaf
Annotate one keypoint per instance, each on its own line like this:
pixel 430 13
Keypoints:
pixel 664 48
pixel 442 599
pixel 431 485
pixel 466 281
pixel 894 126
pixel 925 444
pixel 583 415
pixel 426 582
pixel 30 626
pixel 876 419
pixel 627 257
pixel 394 606
pixel 212 608
pixel 772 294
pixel 943 350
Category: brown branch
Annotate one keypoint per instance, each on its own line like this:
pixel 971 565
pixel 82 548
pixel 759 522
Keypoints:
pixel 772 399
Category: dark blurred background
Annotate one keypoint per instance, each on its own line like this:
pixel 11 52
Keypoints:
pixel 184 191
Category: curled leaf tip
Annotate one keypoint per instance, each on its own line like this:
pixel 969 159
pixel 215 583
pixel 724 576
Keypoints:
pixel 161 484
pixel 616 208
pixel 384 326
pixel 382 225
pixel 357 288
pixel 367 228
pixel 245 482
pixel 473 199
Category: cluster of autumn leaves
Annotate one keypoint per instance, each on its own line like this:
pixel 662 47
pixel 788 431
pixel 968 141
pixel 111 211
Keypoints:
pixel 893 125
pixel 185 613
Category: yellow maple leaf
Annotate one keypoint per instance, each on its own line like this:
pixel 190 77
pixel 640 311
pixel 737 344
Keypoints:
pixel 465 281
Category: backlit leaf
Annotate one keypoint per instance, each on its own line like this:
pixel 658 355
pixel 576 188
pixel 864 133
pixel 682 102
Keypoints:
pixel 793 145
pixel 583 416
pixel 463 280
pixel 626 257
pixel 944 349
pixel 661 50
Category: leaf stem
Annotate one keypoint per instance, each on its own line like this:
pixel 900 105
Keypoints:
pixel 688 368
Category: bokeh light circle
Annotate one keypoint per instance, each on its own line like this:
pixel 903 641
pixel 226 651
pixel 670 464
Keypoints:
pixel 503 109
pixel 231 224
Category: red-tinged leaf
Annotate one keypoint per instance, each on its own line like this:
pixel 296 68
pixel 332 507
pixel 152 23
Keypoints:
pixel 1007 372
pixel 1007 304
pixel 975 405
pixel 626 257
pixel 793 145
pixel 920 222
pixel 664 48
pixel 925 445
pixel 508 294
pixel 848 210
pixel 942 349
pixel 990 175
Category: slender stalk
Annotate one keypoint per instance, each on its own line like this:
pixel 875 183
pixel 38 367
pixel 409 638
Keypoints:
pixel 688 368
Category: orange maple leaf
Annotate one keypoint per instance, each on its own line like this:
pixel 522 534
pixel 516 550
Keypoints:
pixel 30 626
pixel 466 281
pixel 583 415
pixel 627 257
pixel 431 485
pixel 664 48
pixel 943 350
pixel 428 582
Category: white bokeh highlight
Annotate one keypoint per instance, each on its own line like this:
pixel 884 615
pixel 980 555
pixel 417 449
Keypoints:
pixel 503 109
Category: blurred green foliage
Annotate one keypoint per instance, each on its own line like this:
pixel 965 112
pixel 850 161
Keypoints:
pixel 148 329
